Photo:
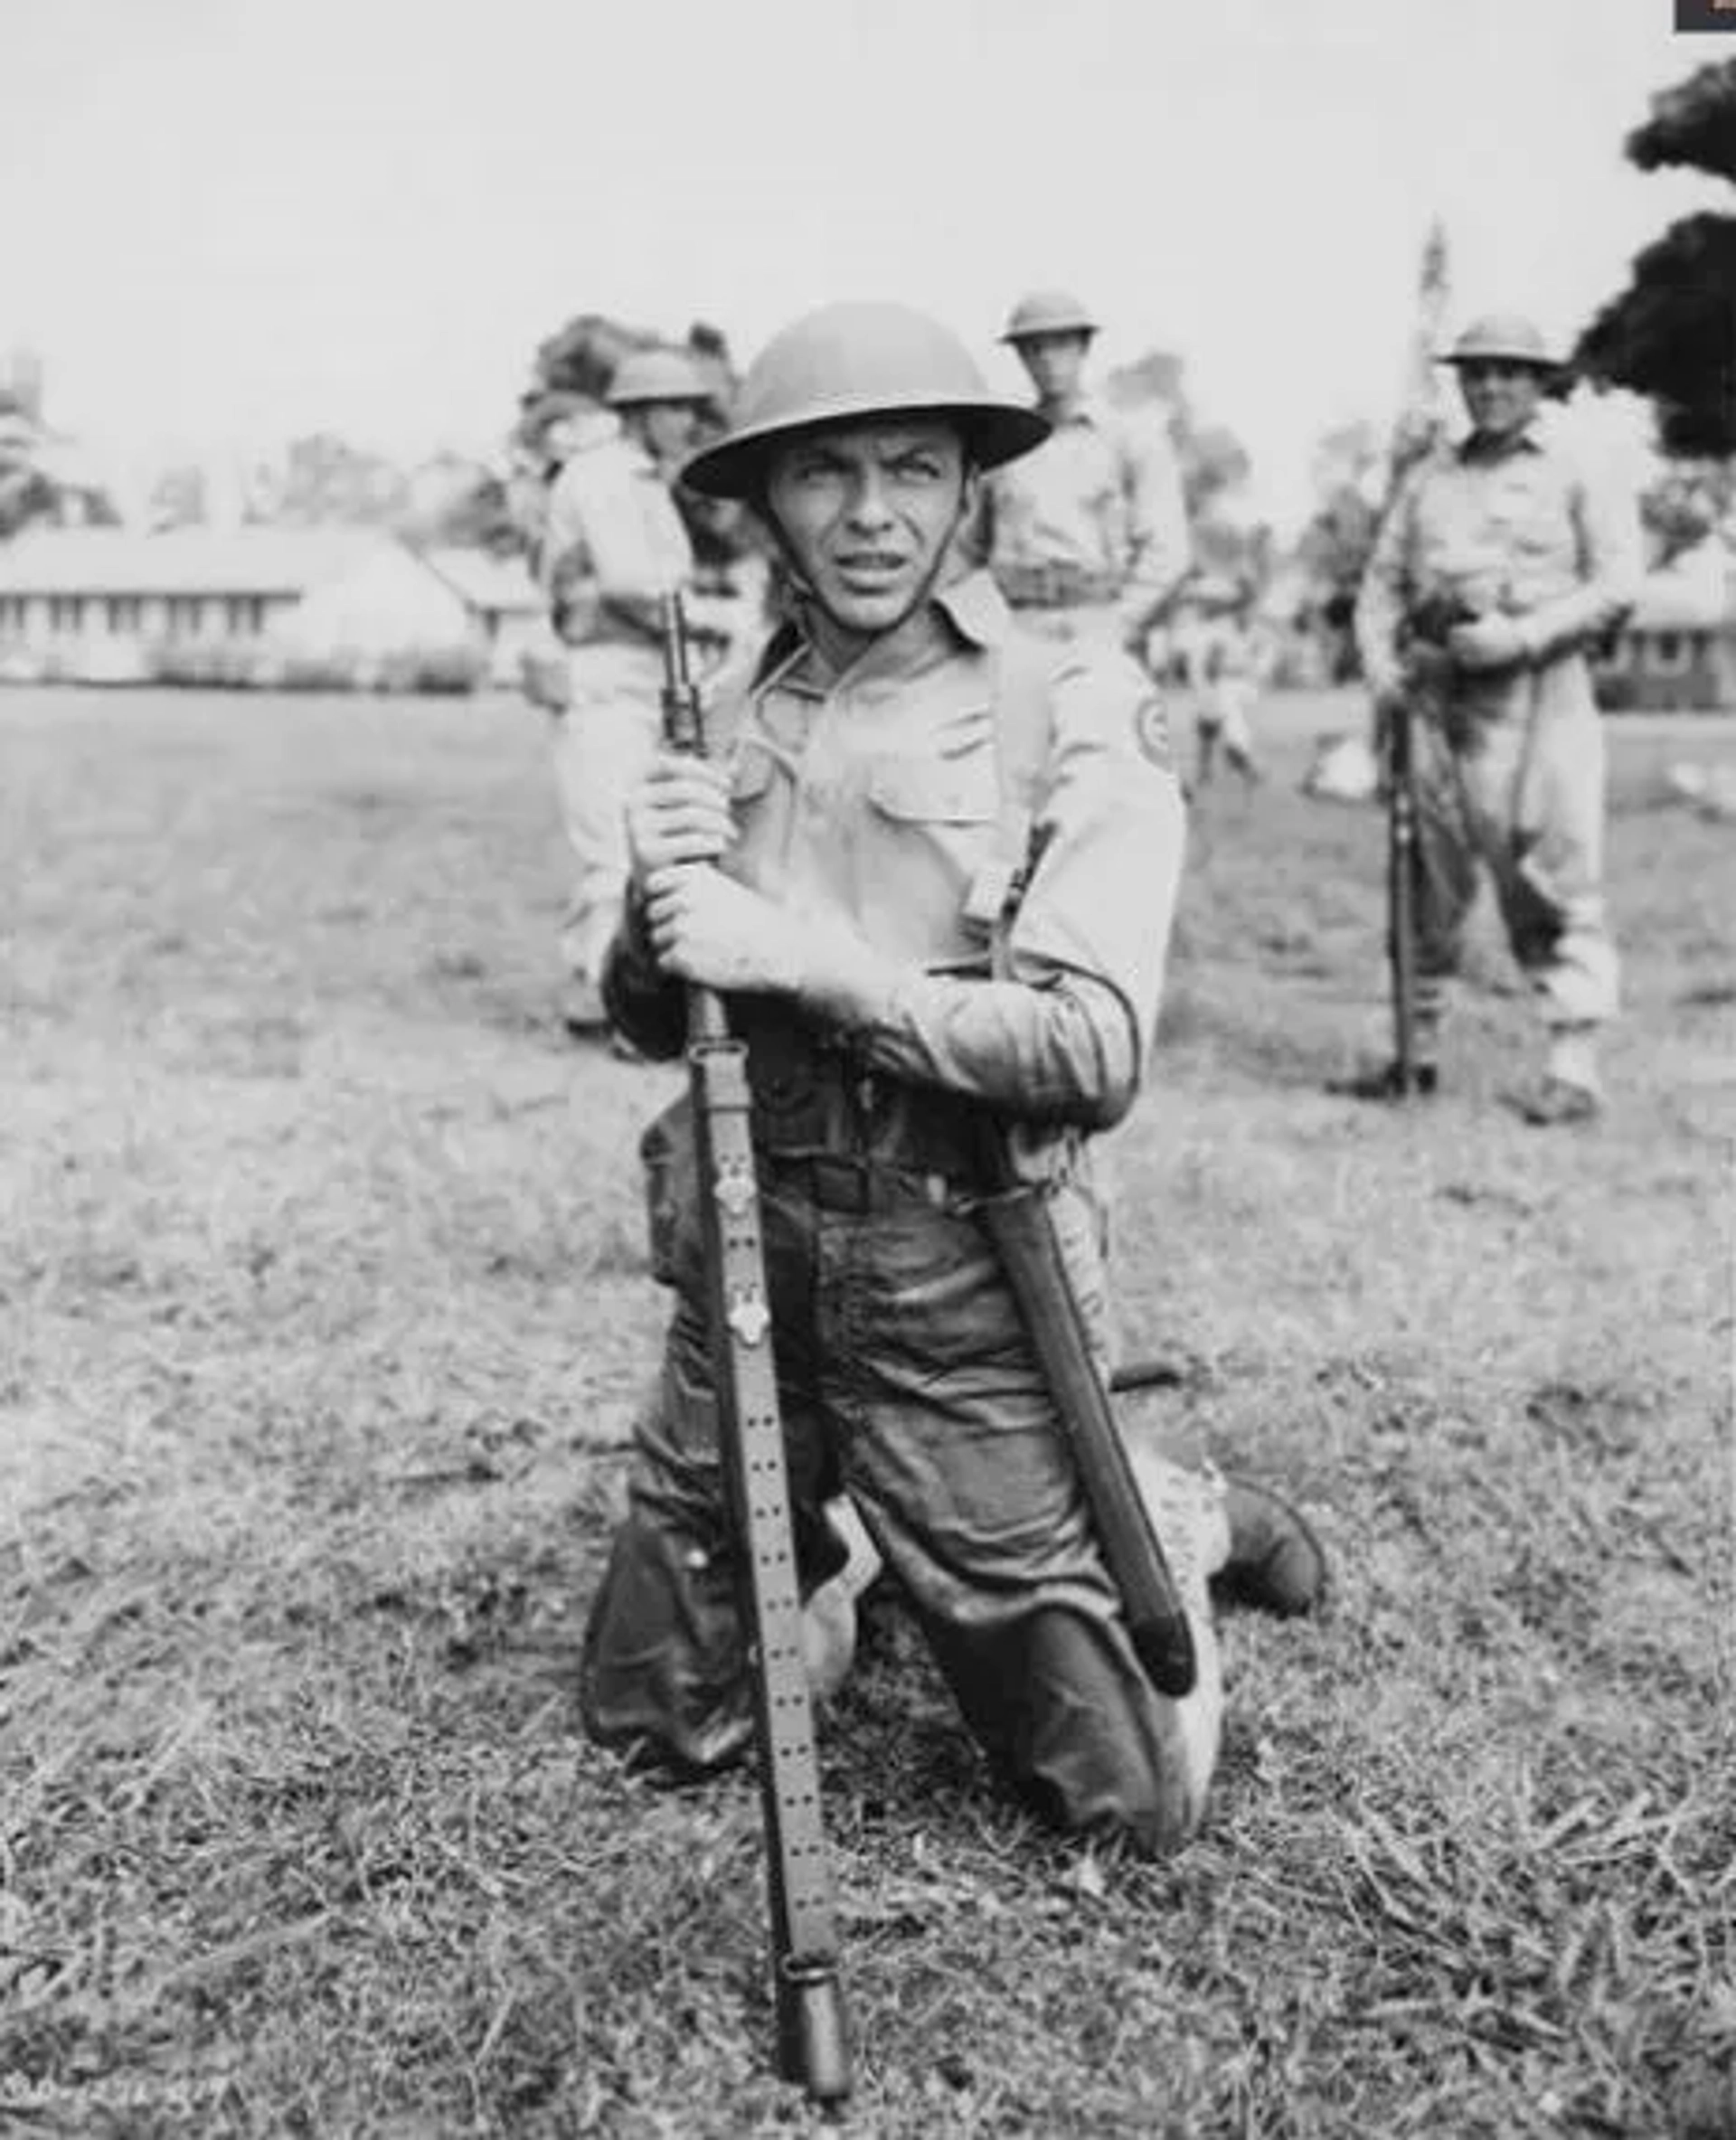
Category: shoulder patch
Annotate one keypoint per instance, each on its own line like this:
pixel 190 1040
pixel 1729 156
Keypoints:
pixel 1151 731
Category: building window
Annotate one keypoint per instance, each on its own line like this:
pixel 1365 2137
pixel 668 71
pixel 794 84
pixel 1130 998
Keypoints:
pixel 126 613
pixel 244 615
pixel 1671 653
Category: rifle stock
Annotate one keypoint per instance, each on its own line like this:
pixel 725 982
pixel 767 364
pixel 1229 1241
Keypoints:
pixel 813 2034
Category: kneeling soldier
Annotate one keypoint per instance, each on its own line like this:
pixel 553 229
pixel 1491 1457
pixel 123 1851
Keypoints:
pixel 931 862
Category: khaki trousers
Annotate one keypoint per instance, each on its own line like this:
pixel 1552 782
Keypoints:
pixel 603 745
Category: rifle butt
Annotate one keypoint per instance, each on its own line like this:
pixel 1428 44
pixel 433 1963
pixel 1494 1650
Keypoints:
pixel 813 2029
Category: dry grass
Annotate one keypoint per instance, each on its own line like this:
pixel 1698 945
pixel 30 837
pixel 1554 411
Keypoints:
pixel 325 1317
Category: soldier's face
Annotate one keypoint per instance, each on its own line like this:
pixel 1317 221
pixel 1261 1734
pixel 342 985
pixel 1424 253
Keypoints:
pixel 1055 363
pixel 866 513
pixel 667 429
pixel 1500 398
pixel 559 442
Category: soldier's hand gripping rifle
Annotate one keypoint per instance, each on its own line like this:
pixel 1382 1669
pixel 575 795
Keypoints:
pixel 813 2041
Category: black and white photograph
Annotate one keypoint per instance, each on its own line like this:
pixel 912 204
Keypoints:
pixel 868 1070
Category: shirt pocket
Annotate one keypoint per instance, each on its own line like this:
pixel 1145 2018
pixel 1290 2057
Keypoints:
pixel 1531 515
pixel 931 826
pixel 933 791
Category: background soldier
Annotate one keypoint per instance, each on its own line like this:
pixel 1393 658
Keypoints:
pixel 1225 691
pixel 1501 562
pixel 613 543
pixel 1087 537
pixel 861 810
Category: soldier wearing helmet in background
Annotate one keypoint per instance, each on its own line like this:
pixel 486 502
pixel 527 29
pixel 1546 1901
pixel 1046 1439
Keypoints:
pixel 1502 562
pixel 931 862
pixel 1088 536
pixel 613 543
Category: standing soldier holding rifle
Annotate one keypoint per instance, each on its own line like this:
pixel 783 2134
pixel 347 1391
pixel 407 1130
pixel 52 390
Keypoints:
pixel 1500 564
pixel 1087 537
pixel 930 865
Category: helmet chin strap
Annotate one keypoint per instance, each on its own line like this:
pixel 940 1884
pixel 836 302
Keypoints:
pixel 802 590
pixel 814 612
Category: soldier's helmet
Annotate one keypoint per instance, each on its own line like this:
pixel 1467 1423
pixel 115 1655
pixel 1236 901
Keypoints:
pixel 1503 337
pixel 849 364
pixel 1048 311
pixel 656 375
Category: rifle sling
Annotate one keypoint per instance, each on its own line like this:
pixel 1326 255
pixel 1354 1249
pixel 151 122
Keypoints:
pixel 752 1439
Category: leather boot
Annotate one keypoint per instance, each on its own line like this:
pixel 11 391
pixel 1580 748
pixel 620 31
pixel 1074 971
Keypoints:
pixel 1277 1561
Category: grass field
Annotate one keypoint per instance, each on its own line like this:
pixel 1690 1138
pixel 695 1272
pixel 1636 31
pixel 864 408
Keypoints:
pixel 325 1313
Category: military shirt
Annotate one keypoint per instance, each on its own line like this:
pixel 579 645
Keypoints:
pixel 1517 529
pixel 875 799
pixel 1101 496
pixel 614 543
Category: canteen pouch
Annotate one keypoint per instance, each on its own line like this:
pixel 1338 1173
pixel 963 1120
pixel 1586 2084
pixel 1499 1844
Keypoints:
pixel 669 1167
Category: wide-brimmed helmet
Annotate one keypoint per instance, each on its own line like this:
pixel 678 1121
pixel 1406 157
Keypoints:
pixel 1505 338
pixel 1048 311
pixel 646 375
pixel 849 364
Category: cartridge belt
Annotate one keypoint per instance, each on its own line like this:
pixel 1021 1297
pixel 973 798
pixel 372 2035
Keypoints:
pixel 863 1188
pixel 1057 585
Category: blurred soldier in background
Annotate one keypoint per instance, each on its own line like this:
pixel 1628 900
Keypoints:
pixel 1501 562
pixel 1225 691
pixel 1087 538
pixel 613 543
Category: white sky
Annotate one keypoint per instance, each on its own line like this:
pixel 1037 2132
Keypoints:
pixel 231 220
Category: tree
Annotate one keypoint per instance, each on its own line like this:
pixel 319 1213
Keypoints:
pixel 177 499
pixel 1684 504
pixel 1213 465
pixel 27 495
pixel 1671 334
pixel 326 482
pixel 454 502
pixel 582 358
pixel 1351 474
pixel 44 480
pixel 1214 461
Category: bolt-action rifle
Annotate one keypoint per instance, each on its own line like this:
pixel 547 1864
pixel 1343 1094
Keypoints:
pixel 813 2035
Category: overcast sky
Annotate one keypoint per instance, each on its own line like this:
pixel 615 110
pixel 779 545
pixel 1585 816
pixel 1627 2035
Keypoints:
pixel 230 221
